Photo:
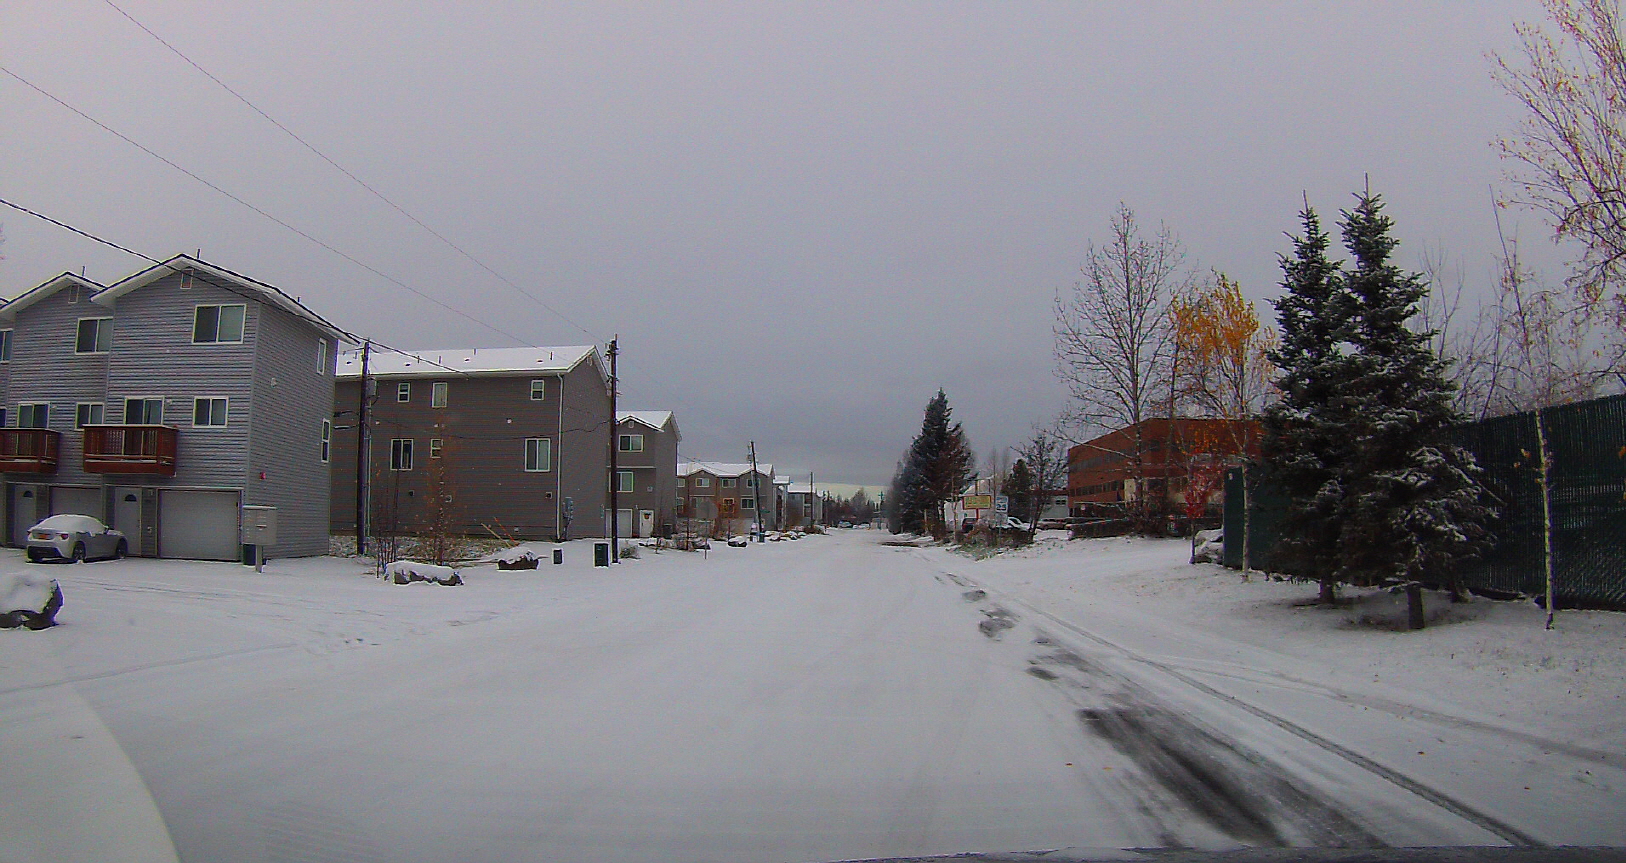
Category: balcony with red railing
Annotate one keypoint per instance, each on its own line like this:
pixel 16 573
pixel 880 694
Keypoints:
pixel 29 450
pixel 138 449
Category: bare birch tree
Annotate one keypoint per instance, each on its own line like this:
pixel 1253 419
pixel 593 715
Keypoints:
pixel 1114 342
pixel 1570 149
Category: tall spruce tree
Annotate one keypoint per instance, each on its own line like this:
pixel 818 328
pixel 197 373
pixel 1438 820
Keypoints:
pixel 1412 505
pixel 940 465
pixel 1020 490
pixel 1306 442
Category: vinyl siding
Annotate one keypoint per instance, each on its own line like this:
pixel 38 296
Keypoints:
pixel 44 368
pixel 655 470
pixel 291 398
pixel 154 356
pixel 484 426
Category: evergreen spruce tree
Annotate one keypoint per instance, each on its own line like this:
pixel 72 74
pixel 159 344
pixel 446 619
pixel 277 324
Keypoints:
pixel 1306 442
pixel 1412 506
pixel 902 515
pixel 940 465
pixel 1019 488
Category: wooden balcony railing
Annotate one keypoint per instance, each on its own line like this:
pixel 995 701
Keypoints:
pixel 29 450
pixel 142 449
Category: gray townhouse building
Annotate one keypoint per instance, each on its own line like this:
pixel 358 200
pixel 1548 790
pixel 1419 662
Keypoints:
pixel 646 473
pixel 507 441
pixel 164 404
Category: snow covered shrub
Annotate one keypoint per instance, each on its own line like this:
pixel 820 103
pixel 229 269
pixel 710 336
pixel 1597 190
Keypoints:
pixel 408 571
pixel 629 551
pixel 30 601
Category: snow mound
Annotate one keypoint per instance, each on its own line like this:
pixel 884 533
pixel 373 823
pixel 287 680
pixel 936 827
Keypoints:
pixel 28 600
pixel 408 571
pixel 1210 547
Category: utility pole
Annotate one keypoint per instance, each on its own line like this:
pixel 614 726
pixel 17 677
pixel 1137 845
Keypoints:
pixel 812 500
pixel 362 460
pixel 615 472
pixel 756 494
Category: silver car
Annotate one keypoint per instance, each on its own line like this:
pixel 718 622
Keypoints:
pixel 74 537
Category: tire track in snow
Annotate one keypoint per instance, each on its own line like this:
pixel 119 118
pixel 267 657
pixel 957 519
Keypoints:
pixel 1489 823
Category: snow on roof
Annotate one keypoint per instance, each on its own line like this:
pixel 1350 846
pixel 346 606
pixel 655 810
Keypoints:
pixel 781 480
pixel 34 295
pixel 722 468
pixel 442 362
pixel 800 488
pixel 262 291
pixel 656 420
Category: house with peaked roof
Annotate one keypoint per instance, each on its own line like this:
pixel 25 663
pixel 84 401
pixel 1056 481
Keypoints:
pixel 725 497
pixel 512 442
pixel 646 472
pixel 164 404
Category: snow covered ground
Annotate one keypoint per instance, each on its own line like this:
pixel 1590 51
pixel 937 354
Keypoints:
pixel 830 699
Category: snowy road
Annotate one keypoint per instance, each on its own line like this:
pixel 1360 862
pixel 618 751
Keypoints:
pixel 828 699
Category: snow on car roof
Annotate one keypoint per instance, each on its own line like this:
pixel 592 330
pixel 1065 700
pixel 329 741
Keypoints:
pixel 71 522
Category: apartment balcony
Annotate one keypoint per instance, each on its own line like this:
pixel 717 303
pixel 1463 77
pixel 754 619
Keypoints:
pixel 29 450
pixel 130 449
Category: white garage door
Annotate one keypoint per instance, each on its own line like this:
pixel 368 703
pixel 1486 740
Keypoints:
pixel 78 501
pixel 198 525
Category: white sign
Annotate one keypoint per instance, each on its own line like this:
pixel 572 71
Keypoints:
pixel 1002 504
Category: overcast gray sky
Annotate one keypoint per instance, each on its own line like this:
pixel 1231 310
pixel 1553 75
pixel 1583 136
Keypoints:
pixel 801 219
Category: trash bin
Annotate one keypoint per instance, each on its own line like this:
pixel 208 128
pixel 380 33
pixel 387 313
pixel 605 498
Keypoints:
pixel 601 553
pixel 558 556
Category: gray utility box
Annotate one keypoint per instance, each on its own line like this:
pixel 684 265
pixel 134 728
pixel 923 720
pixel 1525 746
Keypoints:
pixel 260 525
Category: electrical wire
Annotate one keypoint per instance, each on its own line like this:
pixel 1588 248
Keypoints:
pixel 357 180
pixel 345 255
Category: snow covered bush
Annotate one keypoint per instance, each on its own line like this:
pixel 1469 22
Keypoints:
pixel 27 600
pixel 629 551
pixel 408 571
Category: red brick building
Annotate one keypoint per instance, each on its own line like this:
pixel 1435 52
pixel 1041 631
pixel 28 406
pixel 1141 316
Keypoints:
pixel 1102 471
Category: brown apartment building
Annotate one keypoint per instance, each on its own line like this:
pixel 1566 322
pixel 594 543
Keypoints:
pixel 726 496
pixel 1101 471
pixel 511 441
pixel 646 472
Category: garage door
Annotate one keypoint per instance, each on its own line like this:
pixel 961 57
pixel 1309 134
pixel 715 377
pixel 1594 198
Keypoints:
pixel 78 501
pixel 198 525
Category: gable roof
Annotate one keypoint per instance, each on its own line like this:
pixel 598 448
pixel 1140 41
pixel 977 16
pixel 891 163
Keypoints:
pixel 470 361
pixel 727 469
pixel 223 278
pixel 12 307
pixel 656 420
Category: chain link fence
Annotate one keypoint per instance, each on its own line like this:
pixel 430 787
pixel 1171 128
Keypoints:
pixel 1586 490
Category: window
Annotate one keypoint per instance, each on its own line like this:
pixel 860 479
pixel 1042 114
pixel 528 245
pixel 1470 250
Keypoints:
pixel 144 411
pixel 95 336
pixel 214 325
pixel 682 481
pixel 632 443
pixel 5 346
pixel 437 394
pixel 748 503
pixel 88 414
pixel 35 415
pixel 208 412
pixel 401 454
pixel 539 389
pixel 750 482
pixel 624 481
pixel 538 454
pixel 327 440
pixel 702 482
pixel 434 447
pixel 729 482
pixel 321 356
pixel 403 392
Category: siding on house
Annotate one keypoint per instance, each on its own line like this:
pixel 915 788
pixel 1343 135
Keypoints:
pixel 154 356
pixel 45 368
pixel 483 427
pixel 292 396
pixel 654 469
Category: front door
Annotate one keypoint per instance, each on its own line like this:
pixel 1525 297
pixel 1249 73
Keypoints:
pixel 127 517
pixel 646 523
pixel 25 512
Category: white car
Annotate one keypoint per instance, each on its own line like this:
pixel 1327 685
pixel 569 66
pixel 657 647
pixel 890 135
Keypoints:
pixel 75 538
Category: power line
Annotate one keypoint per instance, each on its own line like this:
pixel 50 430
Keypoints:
pixel 229 288
pixel 341 169
pixel 143 148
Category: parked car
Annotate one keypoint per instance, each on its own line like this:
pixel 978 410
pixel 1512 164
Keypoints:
pixel 76 538
pixel 1013 523
pixel 1052 524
